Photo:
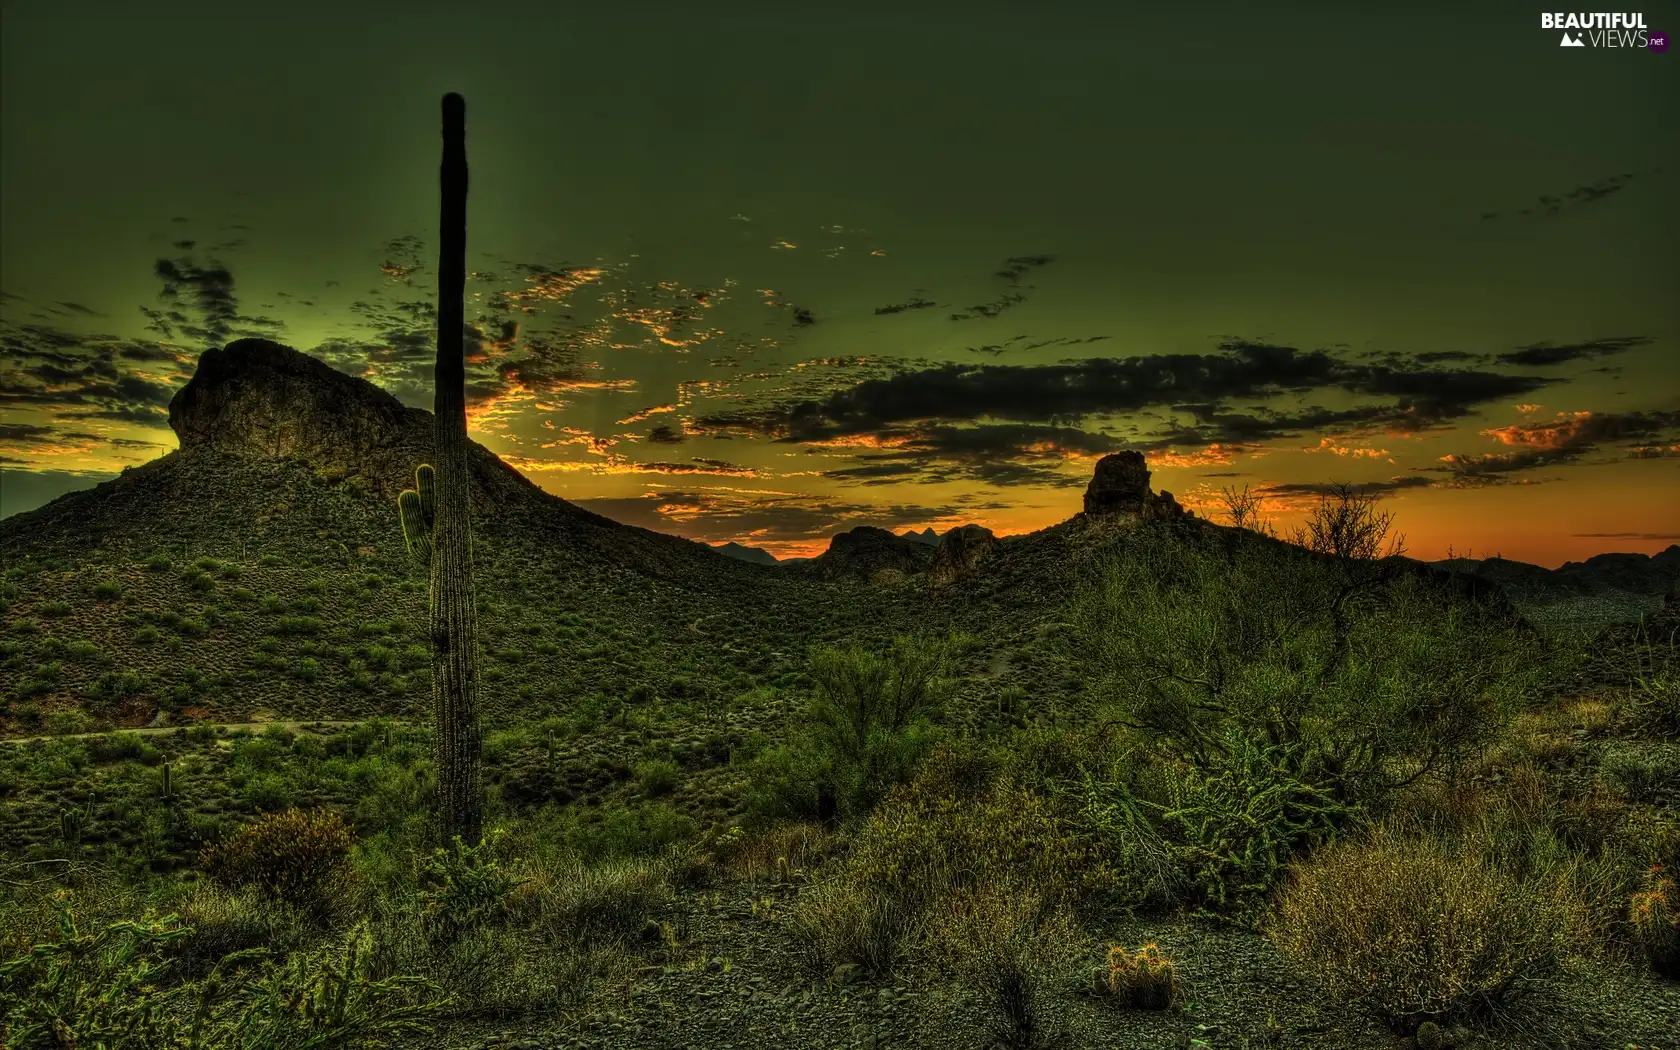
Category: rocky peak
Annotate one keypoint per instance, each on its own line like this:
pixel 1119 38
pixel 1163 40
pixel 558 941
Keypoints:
pixel 1120 485
pixel 866 550
pixel 259 398
pixel 256 398
pixel 959 552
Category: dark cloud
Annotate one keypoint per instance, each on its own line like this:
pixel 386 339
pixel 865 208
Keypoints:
pixel 665 434
pixel 1627 535
pixel 208 293
pixel 1067 392
pixel 1012 270
pixel 86 376
pixel 1367 488
pixel 1543 354
pixel 26 433
pixel 1549 205
pixel 910 304
pixel 1001 455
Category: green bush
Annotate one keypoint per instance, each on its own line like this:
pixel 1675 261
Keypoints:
pixel 296 856
pixel 639 830
pixel 1242 820
pixel 93 989
pixel 657 777
pixel 868 725
pixel 1374 680
pixel 220 922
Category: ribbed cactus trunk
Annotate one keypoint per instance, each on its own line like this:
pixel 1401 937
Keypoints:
pixel 453 614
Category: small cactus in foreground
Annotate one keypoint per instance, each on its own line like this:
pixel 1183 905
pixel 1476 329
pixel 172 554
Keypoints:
pixel 418 507
pixel 1144 978
pixel 1655 917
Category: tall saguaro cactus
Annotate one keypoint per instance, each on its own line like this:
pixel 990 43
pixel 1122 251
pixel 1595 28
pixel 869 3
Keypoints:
pixel 453 613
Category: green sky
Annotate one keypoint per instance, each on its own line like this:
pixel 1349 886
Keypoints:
pixel 1425 250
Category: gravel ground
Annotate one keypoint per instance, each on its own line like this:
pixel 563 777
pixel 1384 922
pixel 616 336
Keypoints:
pixel 1239 995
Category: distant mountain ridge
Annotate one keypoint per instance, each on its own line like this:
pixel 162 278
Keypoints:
pixel 740 552
pixel 1650 574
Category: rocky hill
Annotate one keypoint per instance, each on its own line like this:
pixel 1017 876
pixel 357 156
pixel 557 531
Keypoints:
pixel 868 553
pixel 261 568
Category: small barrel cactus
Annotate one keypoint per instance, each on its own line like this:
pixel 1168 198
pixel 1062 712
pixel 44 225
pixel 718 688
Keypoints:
pixel 1655 917
pixel 418 507
pixel 1144 978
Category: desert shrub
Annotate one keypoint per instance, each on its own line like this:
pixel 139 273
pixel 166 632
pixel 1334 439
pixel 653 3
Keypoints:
pixel 657 777
pixel 868 724
pixel 611 900
pixel 788 852
pixel 123 747
pixel 329 998
pixel 107 590
pixel 922 845
pixel 297 856
pixel 1651 776
pixel 1242 820
pixel 1414 929
pixel 1010 947
pixel 115 687
pixel 112 989
pixel 1377 674
pixel 1654 917
pixel 641 830
pixel 65 721
pixel 1150 868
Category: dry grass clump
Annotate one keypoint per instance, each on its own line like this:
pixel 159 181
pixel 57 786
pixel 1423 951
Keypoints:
pixel 839 922
pixel 788 852
pixel 567 898
pixel 1010 947
pixel 1417 928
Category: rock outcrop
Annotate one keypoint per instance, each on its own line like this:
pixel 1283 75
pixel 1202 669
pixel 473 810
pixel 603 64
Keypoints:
pixel 257 398
pixel 863 552
pixel 1120 485
pixel 959 552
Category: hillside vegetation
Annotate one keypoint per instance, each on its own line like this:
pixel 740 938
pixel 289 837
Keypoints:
pixel 1136 780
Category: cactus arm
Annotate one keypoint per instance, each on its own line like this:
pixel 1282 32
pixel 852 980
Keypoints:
pixel 417 530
